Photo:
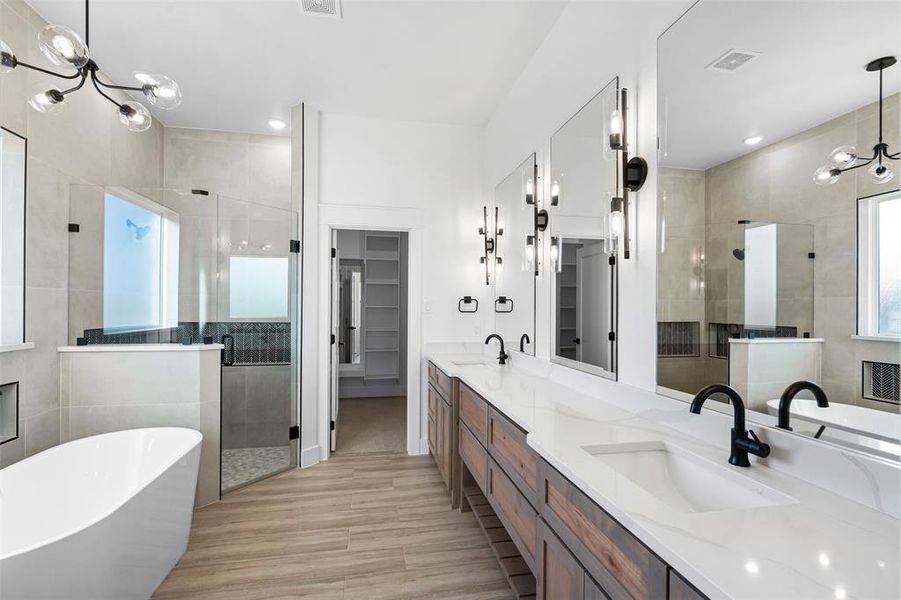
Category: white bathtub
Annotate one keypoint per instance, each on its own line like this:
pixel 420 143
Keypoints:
pixel 101 517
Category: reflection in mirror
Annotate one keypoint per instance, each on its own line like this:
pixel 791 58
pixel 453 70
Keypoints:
pixel 13 155
pixel 583 183
pixel 514 256
pixel 759 262
pixel 351 308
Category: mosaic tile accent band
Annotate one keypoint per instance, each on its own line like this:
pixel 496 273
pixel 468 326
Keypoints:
pixel 881 381
pixel 678 338
pixel 718 335
pixel 254 343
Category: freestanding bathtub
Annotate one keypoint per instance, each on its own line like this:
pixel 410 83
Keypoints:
pixel 101 517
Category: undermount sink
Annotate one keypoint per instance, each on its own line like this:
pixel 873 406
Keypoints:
pixel 684 481
pixel 474 362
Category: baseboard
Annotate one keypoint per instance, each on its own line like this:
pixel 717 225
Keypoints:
pixel 309 456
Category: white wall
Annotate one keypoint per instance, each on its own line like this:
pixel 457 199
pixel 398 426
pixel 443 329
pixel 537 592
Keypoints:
pixel 590 44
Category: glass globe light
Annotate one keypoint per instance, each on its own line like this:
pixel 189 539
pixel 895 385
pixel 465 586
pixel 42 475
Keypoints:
pixel 881 173
pixel 135 116
pixel 7 58
pixel 843 156
pixel 160 90
pixel 48 101
pixel 826 175
pixel 63 47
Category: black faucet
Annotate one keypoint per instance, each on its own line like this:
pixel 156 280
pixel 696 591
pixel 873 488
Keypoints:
pixel 523 341
pixel 789 394
pixel 502 357
pixel 743 440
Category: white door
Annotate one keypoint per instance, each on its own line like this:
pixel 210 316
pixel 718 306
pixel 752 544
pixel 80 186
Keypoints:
pixel 593 273
pixel 334 324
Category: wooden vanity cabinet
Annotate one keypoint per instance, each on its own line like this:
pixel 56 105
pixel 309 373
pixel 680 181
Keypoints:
pixel 442 429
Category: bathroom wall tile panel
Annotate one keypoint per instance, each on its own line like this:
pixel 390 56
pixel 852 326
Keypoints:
pixel 45 325
pixel 46 243
pixel 216 165
pixel 41 431
pixel 13 451
pixel 135 165
pixel 106 371
pixel 270 173
pixel 208 482
pixel 92 420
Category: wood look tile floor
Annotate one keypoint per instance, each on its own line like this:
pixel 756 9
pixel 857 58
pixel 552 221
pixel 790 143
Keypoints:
pixel 366 527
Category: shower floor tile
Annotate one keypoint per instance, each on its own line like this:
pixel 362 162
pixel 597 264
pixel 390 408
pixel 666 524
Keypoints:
pixel 243 465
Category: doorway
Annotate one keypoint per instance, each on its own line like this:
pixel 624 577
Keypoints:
pixel 368 391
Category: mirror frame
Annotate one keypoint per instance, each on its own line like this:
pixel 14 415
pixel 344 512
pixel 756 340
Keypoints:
pixel 24 225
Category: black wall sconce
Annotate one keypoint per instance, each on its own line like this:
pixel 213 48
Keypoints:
pixel 489 244
pixel 632 173
pixel 540 221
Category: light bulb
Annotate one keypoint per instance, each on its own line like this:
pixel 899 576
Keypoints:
pixel 616 130
pixel 63 47
pixel 7 58
pixel 530 191
pixel 616 224
pixel 528 263
pixel 161 91
pixel 48 101
pixel 881 173
pixel 135 116
pixel 556 263
pixel 555 193
pixel 843 156
pixel 826 175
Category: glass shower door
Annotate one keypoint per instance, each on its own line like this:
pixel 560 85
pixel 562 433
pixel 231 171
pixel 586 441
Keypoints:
pixel 257 322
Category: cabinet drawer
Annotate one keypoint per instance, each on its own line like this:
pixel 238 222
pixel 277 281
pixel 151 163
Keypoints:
pixel 679 589
pixel 434 399
pixel 443 383
pixel 560 576
pixel 474 412
pixel 507 446
pixel 514 511
pixel 615 558
pixel 474 456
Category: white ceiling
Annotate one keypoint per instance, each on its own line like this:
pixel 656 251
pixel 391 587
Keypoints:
pixel 811 70
pixel 242 62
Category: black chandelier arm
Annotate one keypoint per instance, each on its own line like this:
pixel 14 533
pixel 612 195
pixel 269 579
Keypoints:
pixel 75 75
pixel 857 166
pixel 117 87
pixel 99 91
pixel 84 78
pixel 895 156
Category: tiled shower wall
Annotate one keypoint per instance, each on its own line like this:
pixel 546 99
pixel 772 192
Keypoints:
pixel 83 144
pixel 774 184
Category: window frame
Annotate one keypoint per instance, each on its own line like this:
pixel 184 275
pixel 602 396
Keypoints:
pixel 170 229
pixel 867 258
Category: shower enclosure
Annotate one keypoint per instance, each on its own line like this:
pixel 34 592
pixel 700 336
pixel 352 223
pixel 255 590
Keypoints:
pixel 180 266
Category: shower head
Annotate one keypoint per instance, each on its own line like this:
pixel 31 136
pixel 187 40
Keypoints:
pixel 739 253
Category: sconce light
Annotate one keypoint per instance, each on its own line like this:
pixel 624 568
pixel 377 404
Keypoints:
pixel 530 191
pixel 555 192
pixel 556 254
pixel 487 242
pixel 845 158
pixel 633 173
pixel 528 262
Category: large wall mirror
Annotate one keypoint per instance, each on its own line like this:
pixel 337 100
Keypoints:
pixel 779 257
pixel 514 256
pixel 13 155
pixel 584 278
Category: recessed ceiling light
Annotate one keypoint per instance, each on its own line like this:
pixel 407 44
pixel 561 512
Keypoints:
pixel 277 124
pixel 751 141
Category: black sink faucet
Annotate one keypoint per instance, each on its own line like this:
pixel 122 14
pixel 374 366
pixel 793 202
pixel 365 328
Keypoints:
pixel 789 394
pixel 743 440
pixel 502 357
pixel 523 341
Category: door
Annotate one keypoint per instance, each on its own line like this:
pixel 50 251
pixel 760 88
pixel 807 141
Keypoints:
pixel 253 313
pixel 334 333
pixel 594 318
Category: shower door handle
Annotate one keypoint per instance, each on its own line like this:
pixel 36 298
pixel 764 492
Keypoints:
pixel 228 353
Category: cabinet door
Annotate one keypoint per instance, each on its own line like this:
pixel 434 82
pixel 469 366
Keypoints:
pixel 433 438
pixel 444 410
pixel 592 590
pixel 440 440
pixel 560 576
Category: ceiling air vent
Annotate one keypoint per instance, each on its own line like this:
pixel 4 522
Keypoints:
pixel 729 62
pixel 322 8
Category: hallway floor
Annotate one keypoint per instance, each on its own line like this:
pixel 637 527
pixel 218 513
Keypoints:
pixel 355 527
pixel 372 425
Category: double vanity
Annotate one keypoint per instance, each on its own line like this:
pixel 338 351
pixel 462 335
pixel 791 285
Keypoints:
pixel 608 491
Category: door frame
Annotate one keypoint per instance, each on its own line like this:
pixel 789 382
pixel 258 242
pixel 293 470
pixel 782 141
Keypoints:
pixel 372 218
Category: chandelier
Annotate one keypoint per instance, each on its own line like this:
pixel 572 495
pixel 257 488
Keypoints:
pixel 845 158
pixel 64 48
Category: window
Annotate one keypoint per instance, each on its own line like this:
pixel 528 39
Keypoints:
pixel 12 238
pixel 140 264
pixel 258 287
pixel 879 266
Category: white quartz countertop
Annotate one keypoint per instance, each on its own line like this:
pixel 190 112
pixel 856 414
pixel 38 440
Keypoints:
pixel 141 348
pixel 820 545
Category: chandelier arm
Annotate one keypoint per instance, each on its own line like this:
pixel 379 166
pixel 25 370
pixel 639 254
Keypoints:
pixel 84 78
pixel 75 75
pixel 118 87
pixel 895 156
pixel 857 166
pixel 99 91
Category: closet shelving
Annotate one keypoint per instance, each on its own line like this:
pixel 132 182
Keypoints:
pixel 568 303
pixel 381 253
